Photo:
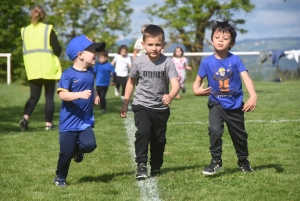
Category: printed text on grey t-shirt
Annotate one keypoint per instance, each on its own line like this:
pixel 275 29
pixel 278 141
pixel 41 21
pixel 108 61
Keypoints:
pixel 152 80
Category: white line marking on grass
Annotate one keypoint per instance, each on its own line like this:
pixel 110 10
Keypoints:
pixel 147 187
pixel 247 121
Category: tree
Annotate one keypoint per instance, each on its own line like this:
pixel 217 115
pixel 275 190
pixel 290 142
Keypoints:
pixel 12 18
pixel 101 20
pixel 188 19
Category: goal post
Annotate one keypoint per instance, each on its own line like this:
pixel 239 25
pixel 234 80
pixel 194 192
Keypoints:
pixel 8 58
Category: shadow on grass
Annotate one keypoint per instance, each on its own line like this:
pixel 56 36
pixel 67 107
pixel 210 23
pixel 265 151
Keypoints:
pixel 278 168
pixel 176 169
pixel 105 177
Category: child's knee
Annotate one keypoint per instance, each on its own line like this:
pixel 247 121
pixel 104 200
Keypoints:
pixel 87 148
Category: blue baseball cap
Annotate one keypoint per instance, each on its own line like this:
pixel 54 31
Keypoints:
pixel 81 43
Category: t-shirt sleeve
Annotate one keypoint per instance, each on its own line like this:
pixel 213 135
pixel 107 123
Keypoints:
pixel 129 60
pixel 137 44
pixel 134 71
pixel 185 61
pixel 202 72
pixel 112 69
pixel 171 70
pixel 240 66
pixel 64 83
pixel 115 59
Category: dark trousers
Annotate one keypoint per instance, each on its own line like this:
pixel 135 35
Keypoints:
pixel 235 123
pixel 71 142
pixel 121 81
pixel 151 128
pixel 102 90
pixel 35 93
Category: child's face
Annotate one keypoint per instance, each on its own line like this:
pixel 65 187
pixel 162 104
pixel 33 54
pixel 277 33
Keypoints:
pixel 102 59
pixel 222 41
pixel 88 56
pixel 123 52
pixel 178 52
pixel 153 47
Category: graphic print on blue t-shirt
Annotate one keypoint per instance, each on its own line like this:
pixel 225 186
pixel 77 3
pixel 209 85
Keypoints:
pixel 223 76
pixel 77 115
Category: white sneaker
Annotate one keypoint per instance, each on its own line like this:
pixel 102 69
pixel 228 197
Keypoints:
pixel 116 92
pixel 122 97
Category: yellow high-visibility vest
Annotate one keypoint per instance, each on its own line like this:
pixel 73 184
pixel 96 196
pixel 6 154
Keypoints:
pixel 39 60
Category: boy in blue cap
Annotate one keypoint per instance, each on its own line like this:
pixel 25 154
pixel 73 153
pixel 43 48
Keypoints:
pixel 76 90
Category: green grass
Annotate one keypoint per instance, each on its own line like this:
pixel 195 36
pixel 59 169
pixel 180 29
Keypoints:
pixel 28 159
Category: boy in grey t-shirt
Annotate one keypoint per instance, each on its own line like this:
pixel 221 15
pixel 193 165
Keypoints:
pixel 151 73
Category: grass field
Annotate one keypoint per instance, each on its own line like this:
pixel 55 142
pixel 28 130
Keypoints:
pixel 28 159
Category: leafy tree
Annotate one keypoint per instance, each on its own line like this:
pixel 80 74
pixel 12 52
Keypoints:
pixel 101 20
pixel 188 19
pixel 12 18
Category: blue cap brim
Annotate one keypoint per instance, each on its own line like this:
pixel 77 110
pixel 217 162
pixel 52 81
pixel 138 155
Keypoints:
pixel 98 47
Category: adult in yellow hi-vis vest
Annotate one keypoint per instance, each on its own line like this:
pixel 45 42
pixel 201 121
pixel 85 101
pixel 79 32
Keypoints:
pixel 41 50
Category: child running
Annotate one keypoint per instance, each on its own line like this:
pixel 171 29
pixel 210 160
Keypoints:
pixel 151 73
pixel 223 71
pixel 181 64
pixel 75 89
pixel 103 70
pixel 123 63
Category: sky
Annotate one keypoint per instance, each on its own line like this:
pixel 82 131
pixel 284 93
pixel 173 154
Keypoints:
pixel 269 19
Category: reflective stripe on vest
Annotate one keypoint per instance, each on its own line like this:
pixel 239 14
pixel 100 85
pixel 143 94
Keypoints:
pixel 37 50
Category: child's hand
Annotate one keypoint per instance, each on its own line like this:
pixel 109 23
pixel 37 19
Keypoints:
pixel 97 100
pixel 112 84
pixel 202 91
pixel 86 94
pixel 123 111
pixel 166 99
pixel 250 105
pixel 188 68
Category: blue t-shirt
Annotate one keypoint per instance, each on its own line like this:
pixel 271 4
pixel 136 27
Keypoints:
pixel 103 72
pixel 77 115
pixel 223 76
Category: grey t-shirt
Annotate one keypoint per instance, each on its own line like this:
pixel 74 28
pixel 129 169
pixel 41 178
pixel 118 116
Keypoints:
pixel 152 80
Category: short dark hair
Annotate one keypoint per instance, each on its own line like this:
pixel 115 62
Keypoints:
pixel 180 50
pixel 121 48
pixel 153 31
pixel 103 53
pixel 224 27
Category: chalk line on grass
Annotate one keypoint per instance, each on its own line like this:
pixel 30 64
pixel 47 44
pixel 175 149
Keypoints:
pixel 247 121
pixel 147 187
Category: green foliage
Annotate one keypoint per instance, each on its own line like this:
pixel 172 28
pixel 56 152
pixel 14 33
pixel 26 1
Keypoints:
pixel 187 20
pixel 28 160
pixel 99 20
pixel 12 18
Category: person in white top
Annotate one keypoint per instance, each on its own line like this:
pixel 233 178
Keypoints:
pixel 122 64
pixel 138 47
pixel 181 64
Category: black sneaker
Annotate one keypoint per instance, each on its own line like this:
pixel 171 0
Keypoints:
pixel 245 166
pixel 142 171
pixel 24 124
pixel 59 182
pixel 78 157
pixel 183 89
pixel 103 111
pixel 155 171
pixel 213 168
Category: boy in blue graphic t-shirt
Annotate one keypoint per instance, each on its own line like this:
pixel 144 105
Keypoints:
pixel 76 90
pixel 104 70
pixel 223 71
